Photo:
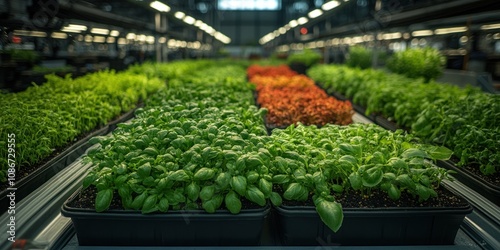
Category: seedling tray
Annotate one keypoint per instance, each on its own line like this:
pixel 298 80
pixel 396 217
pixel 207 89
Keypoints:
pixel 301 226
pixel 174 228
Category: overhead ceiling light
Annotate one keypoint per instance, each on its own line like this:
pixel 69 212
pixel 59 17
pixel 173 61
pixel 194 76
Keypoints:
pixel 198 23
pixel 159 6
pixel 315 13
pixel 179 14
pixel 293 23
pixel 282 30
pixel 150 39
pixel 444 31
pixel 141 38
pixel 131 36
pixel 189 20
pixel 66 29
pixel 99 31
pixel 490 26
pixel 330 5
pixel 287 26
pixel 417 33
pixel 391 36
pixel 88 38
pixel 59 35
pixel 302 20
pixel 114 33
pixel 77 27
pixel 162 40
pixel 122 41
pixel 99 39
pixel 110 39
pixel 30 33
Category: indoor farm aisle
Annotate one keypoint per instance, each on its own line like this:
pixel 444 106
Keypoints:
pixel 200 150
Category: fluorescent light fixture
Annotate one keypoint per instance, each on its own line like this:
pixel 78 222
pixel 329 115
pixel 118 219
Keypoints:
pixel 59 35
pixel 391 36
pixel 30 33
pixel 368 38
pixel 159 6
pixel 357 39
pixel 210 30
pixel 320 44
pixel 114 33
pixel 490 26
pixel 276 33
pixel 99 31
pixel 198 23
pixel 141 38
pixel 330 5
pixel 444 31
pixel 77 27
pixel 150 39
pixel 179 14
pixel 302 20
pixel 293 23
pixel 69 30
pixel 122 41
pixel 88 38
pixel 162 40
pixel 315 13
pixel 282 30
pixel 110 39
pixel 171 43
pixel 131 36
pixel 189 20
pixel 287 26
pixel 417 33
pixel 204 26
pixel 99 39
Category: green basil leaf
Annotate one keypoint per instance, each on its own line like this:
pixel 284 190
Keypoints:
pixel 207 192
pixel 204 174
pixel 275 199
pixel 193 191
pixel 330 213
pixel 254 194
pixel 233 202
pixel 103 199
pixel 149 205
pixel 296 191
pixel 239 184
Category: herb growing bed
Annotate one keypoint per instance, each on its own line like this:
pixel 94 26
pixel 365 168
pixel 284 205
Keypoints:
pixel 329 166
pixel 53 122
pixel 194 147
pixel 465 120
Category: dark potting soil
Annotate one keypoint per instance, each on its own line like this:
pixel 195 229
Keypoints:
pixel 379 199
pixel 86 200
pixel 474 169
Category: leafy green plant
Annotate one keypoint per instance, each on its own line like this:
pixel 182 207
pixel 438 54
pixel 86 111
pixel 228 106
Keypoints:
pixel 196 145
pixel 359 57
pixel 24 55
pixel 53 115
pixel 427 63
pixel 321 163
pixel 307 57
pixel 442 114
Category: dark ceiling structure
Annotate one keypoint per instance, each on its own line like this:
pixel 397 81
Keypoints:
pixel 246 27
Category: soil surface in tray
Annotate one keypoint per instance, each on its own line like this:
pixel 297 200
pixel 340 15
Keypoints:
pixel 379 199
pixel 493 179
pixel 86 200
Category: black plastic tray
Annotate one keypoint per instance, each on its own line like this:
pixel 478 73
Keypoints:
pixel 301 226
pixel 43 173
pixel 175 228
pixel 486 189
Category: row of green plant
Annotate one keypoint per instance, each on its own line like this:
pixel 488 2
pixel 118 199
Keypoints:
pixel 196 145
pixel 202 144
pixel 461 119
pixel 48 117
pixel 322 163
